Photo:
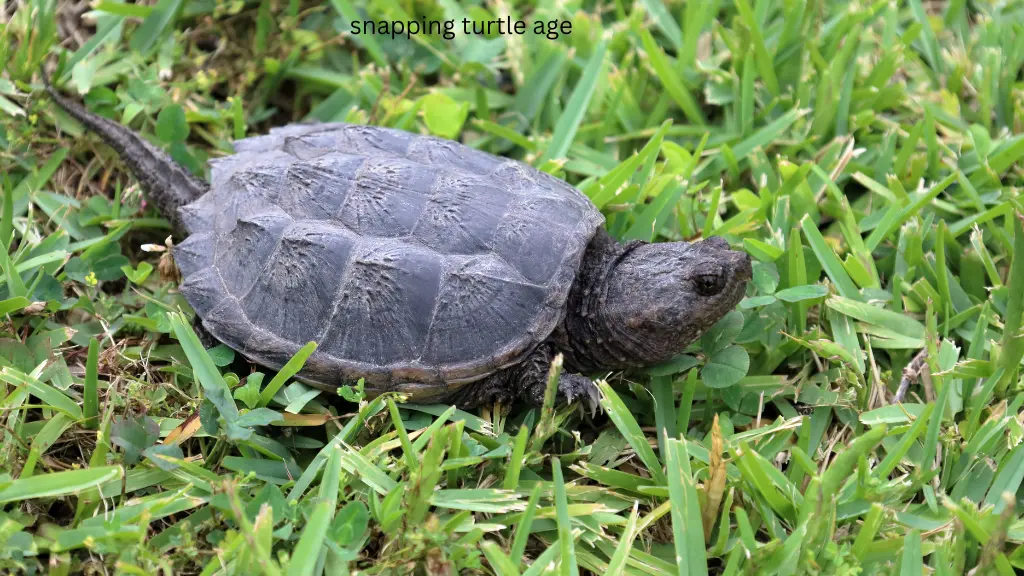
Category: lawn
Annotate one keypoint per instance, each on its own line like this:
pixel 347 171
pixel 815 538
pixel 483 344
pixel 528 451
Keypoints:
pixel 858 413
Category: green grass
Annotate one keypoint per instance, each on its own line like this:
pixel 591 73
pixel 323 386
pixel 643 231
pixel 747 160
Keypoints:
pixel 866 154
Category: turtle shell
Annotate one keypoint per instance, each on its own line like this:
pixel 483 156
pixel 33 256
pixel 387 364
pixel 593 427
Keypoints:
pixel 416 263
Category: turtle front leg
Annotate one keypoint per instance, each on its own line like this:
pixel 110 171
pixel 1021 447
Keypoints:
pixel 528 381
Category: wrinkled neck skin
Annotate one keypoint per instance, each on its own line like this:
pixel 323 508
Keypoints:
pixel 586 339
pixel 641 304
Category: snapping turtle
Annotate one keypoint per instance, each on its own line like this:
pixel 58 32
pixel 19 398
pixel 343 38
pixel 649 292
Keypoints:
pixel 420 264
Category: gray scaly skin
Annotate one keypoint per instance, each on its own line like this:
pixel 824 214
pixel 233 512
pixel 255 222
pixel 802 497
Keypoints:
pixel 631 306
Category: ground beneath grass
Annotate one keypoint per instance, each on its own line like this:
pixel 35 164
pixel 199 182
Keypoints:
pixel 860 411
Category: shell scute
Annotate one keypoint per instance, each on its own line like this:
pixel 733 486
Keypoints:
pixel 415 263
pixel 438 152
pixel 294 295
pixel 317 189
pixel 204 290
pixel 191 255
pixel 480 291
pixel 385 304
pixel 461 216
pixel 247 249
pixel 387 198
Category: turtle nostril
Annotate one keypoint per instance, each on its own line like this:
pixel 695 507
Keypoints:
pixel 745 268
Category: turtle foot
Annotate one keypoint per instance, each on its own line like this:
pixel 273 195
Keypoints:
pixel 572 387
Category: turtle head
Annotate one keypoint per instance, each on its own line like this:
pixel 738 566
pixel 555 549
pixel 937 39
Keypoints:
pixel 659 298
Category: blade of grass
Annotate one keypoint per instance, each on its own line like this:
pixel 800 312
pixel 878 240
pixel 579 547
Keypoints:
pixel 306 554
pixel 515 463
pixel 396 419
pixel 291 368
pixel 760 139
pixel 51 396
pixel 687 527
pixel 313 468
pixel 214 386
pixel 41 442
pixel 90 396
pixel 543 562
pixel 829 261
pixel 627 425
pixel 665 22
pixel 156 25
pixel 500 563
pixel 7 219
pixel 840 469
pixel 576 108
pixel 368 41
pixel 764 60
pixel 911 563
pixel 893 458
pixel 1012 342
pixel 617 563
pixel 898 323
pixel 670 79
pixel 868 530
pixel 522 533
pixel 566 543
pixel 58 483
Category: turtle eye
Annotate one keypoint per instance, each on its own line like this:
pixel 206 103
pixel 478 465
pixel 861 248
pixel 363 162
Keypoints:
pixel 709 283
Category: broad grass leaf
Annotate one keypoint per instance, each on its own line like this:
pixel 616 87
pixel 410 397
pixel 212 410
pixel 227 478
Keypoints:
pixel 171 125
pixel 679 364
pixel 568 124
pixel 134 435
pixel 687 527
pixel 892 414
pixel 58 483
pixel 911 561
pixel 500 562
pixel 350 524
pixel 444 116
pixel 762 251
pixel 898 323
pixel 626 422
pixel 159 455
pixel 801 293
pixel 258 417
pixel 291 368
pixel 222 356
pixel 306 553
pixel 205 370
pixel 1008 481
pixel 722 333
pixel 726 367
pixel 156 25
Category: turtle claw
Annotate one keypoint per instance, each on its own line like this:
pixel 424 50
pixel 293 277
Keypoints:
pixel 573 387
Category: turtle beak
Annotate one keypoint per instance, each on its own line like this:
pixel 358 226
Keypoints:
pixel 742 264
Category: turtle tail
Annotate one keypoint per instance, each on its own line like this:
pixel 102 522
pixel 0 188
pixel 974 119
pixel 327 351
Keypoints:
pixel 167 184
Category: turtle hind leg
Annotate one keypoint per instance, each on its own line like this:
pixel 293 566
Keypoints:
pixel 527 381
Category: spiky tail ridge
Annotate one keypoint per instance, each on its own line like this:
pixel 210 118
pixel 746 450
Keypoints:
pixel 167 184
